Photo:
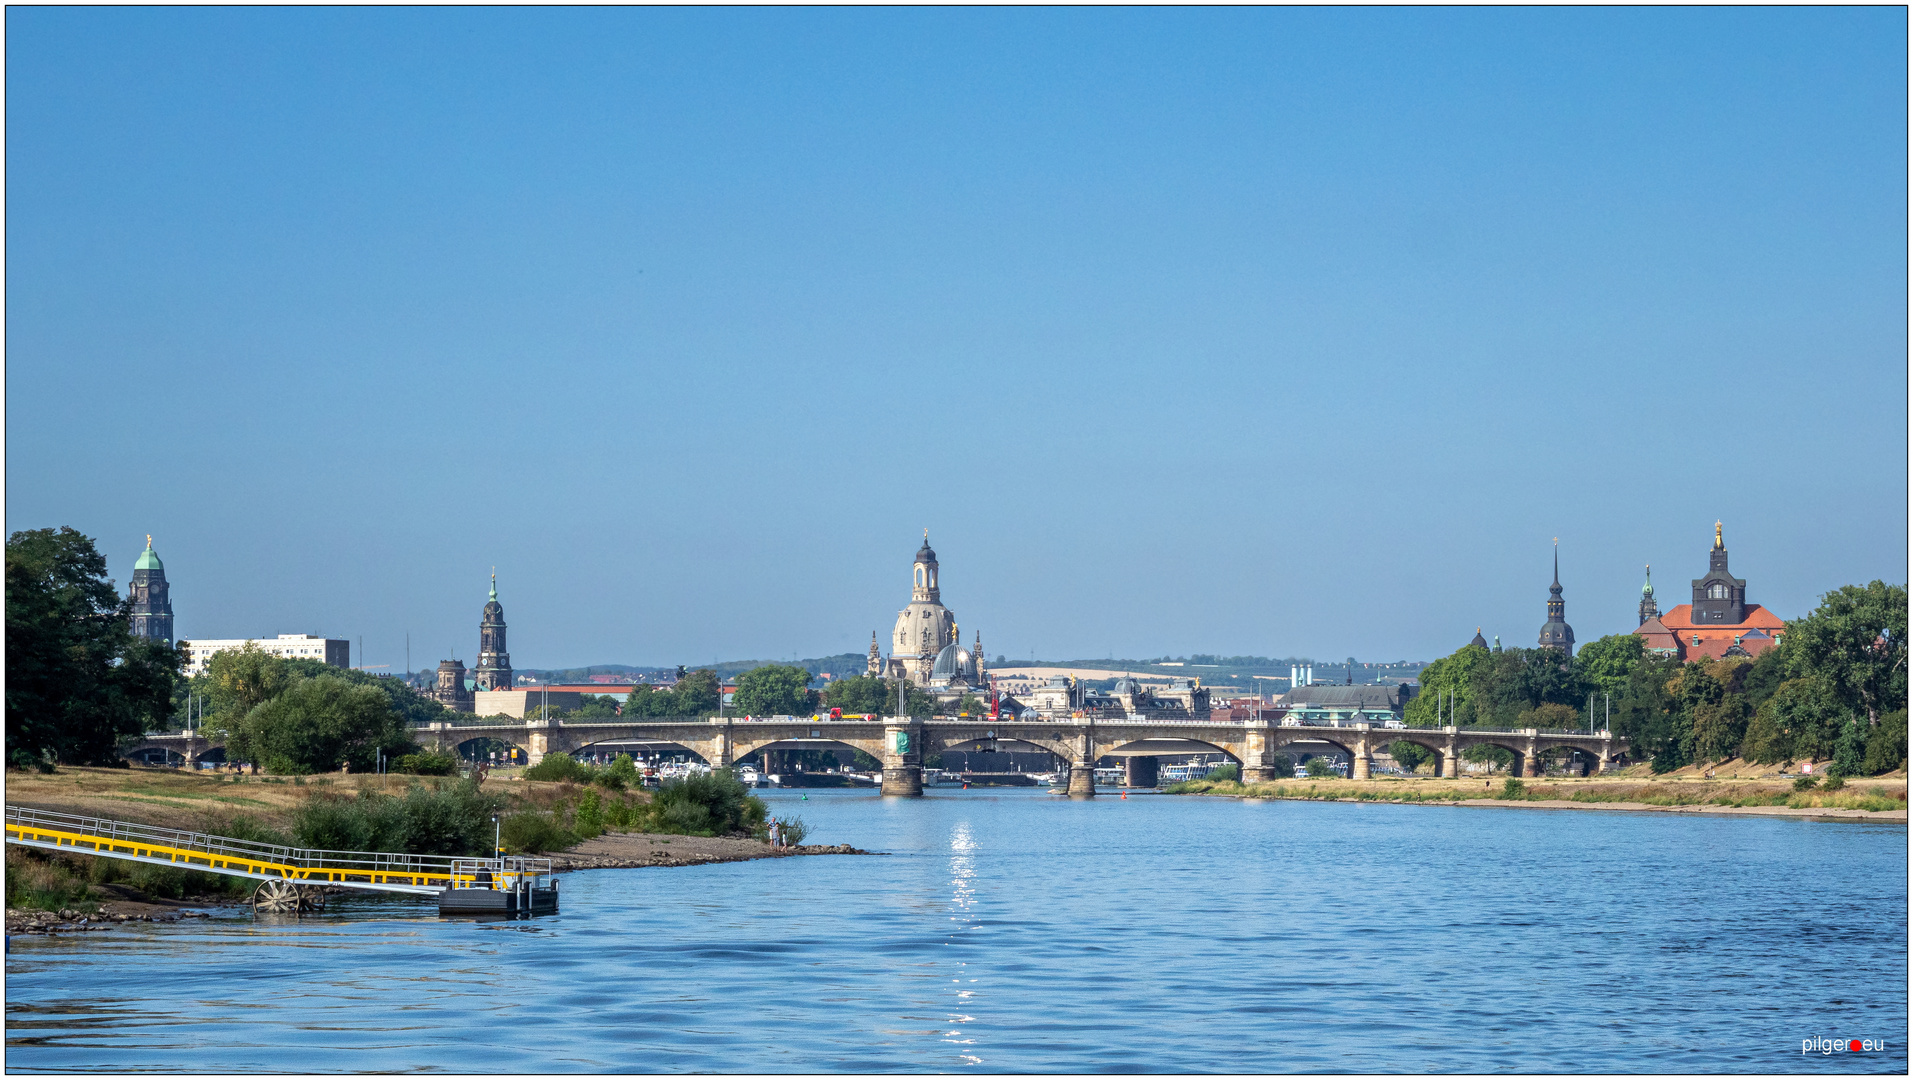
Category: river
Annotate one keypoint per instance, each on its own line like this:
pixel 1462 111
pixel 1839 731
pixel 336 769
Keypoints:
pixel 1010 930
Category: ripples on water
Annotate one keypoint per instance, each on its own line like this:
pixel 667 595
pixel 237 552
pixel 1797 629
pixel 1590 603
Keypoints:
pixel 1016 931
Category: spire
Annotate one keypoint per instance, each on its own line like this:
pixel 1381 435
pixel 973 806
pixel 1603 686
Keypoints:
pixel 1648 589
pixel 1718 546
pixel 1557 563
pixel 494 583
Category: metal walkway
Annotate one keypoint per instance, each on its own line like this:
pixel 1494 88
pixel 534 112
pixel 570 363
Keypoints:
pixel 424 875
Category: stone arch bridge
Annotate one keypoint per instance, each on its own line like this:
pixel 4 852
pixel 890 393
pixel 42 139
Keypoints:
pixel 901 742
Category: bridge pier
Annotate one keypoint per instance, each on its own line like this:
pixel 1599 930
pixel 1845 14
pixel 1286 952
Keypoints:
pixel 1259 774
pixel 1451 764
pixel 1082 781
pixel 903 758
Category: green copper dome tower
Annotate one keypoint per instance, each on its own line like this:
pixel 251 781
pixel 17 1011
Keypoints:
pixel 152 606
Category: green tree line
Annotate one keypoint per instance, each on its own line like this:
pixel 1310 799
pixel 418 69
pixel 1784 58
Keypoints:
pixel 1833 687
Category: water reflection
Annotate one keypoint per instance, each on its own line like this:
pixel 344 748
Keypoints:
pixel 962 912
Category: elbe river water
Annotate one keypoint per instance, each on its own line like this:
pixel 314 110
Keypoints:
pixel 1010 930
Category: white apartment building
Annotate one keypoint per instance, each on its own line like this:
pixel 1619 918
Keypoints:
pixel 334 651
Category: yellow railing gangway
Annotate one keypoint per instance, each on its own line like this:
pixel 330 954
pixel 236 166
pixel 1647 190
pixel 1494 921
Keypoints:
pixel 376 871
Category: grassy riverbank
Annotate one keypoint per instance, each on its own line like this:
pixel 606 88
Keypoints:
pixel 422 815
pixel 1872 796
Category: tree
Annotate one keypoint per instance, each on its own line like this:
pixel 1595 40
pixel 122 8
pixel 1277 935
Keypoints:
pixel 242 679
pixel 596 707
pixel 775 690
pixel 1452 674
pixel 1809 716
pixel 697 693
pixel 317 724
pixel 1550 715
pixel 972 705
pixel 1886 744
pixel 1408 755
pixel 413 707
pixel 1766 741
pixel 1647 714
pixel 1856 641
pixel 862 695
pixel 77 679
pixel 1603 665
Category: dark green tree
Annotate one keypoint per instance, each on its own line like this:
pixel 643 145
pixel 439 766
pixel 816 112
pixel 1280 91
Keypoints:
pixel 1886 744
pixel 1856 641
pixel 697 694
pixel 861 695
pixel 1410 756
pixel 1603 665
pixel 78 681
pixel 1648 716
pixel 318 724
pixel 1454 674
pixel 775 690
pixel 1810 716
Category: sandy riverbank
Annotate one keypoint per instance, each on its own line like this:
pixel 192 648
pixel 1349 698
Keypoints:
pixel 1818 813
pixel 627 850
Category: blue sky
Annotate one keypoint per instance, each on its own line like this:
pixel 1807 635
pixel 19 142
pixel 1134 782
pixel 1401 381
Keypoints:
pixel 1292 332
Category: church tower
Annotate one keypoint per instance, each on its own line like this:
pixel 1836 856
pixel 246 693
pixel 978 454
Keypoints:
pixel 1557 634
pixel 152 607
pixel 494 663
pixel 875 665
pixel 1720 597
pixel 1649 608
pixel 924 574
pixel 925 627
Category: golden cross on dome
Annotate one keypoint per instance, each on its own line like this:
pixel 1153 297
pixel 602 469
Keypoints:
pixel 149 541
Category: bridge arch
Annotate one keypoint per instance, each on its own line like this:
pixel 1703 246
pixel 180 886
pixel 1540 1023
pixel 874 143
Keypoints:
pixel 1166 746
pixel 743 748
pixel 625 743
pixel 470 749
pixel 947 738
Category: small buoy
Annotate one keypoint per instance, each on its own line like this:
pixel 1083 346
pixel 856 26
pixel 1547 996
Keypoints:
pixel 1125 794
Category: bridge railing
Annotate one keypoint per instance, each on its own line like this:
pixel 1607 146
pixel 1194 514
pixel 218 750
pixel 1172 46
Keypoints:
pixel 225 847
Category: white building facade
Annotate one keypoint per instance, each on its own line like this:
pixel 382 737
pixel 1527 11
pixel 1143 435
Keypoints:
pixel 334 651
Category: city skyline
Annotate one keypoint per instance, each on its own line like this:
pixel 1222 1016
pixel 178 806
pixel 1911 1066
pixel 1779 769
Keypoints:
pixel 1272 331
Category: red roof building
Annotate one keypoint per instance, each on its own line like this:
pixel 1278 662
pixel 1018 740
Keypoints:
pixel 1718 623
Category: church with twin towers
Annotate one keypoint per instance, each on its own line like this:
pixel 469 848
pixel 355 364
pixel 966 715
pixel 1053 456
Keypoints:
pixel 927 646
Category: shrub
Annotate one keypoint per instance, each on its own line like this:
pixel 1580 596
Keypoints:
pixel 1835 781
pixel 426 763
pixel 589 819
pixel 450 820
pixel 37 882
pixel 1805 783
pixel 553 767
pixel 1226 773
pixel 1512 788
pixel 620 774
pixel 794 830
pixel 530 831
pixel 706 804
pixel 1318 767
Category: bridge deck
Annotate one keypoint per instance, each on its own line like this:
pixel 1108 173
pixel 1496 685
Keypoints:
pixel 426 875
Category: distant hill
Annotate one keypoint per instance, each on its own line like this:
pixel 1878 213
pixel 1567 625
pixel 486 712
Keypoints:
pixel 1246 673
pixel 837 667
